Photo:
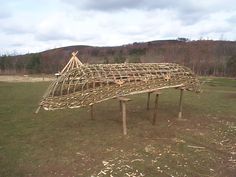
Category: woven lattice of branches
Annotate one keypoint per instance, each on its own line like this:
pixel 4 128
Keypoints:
pixel 90 84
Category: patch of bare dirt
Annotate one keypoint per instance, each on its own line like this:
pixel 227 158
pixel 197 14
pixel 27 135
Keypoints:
pixel 231 96
pixel 24 78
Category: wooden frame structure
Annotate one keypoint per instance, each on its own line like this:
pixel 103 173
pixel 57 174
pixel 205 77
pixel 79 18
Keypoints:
pixel 74 62
pixel 85 85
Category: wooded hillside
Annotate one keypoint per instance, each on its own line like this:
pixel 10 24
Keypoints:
pixel 204 57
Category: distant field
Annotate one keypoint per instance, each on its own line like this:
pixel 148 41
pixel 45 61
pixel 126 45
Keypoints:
pixel 67 143
pixel 25 78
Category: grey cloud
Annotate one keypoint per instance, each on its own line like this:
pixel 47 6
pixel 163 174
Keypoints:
pixel 191 18
pixel 16 30
pixel 111 5
pixel 12 28
pixel 4 14
pixel 53 36
pixel 187 11
pixel 17 44
pixel 232 19
pixel 188 6
pixel 5 11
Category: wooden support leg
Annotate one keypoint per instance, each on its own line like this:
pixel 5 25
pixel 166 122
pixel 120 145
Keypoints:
pixel 124 118
pixel 37 110
pixel 148 100
pixel 155 108
pixel 180 104
pixel 91 112
pixel 123 101
pixel 120 105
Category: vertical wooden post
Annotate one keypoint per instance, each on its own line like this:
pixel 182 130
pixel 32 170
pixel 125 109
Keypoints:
pixel 91 111
pixel 123 101
pixel 37 110
pixel 120 105
pixel 155 108
pixel 124 118
pixel 180 103
pixel 148 100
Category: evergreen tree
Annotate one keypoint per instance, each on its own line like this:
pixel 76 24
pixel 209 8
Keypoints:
pixel 231 66
pixel 34 64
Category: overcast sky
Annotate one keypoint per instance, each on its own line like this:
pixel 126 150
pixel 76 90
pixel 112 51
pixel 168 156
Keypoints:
pixel 37 25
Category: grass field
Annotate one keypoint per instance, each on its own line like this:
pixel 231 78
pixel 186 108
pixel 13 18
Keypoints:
pixel 67 143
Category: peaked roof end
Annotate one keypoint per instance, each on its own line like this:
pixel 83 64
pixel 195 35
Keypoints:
pixel 74 62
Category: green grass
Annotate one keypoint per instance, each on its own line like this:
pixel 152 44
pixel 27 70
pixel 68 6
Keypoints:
pixel 68 143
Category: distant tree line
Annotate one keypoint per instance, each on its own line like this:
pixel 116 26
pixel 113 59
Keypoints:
pixel 204 57
pixel 13 64
pixel 231 66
